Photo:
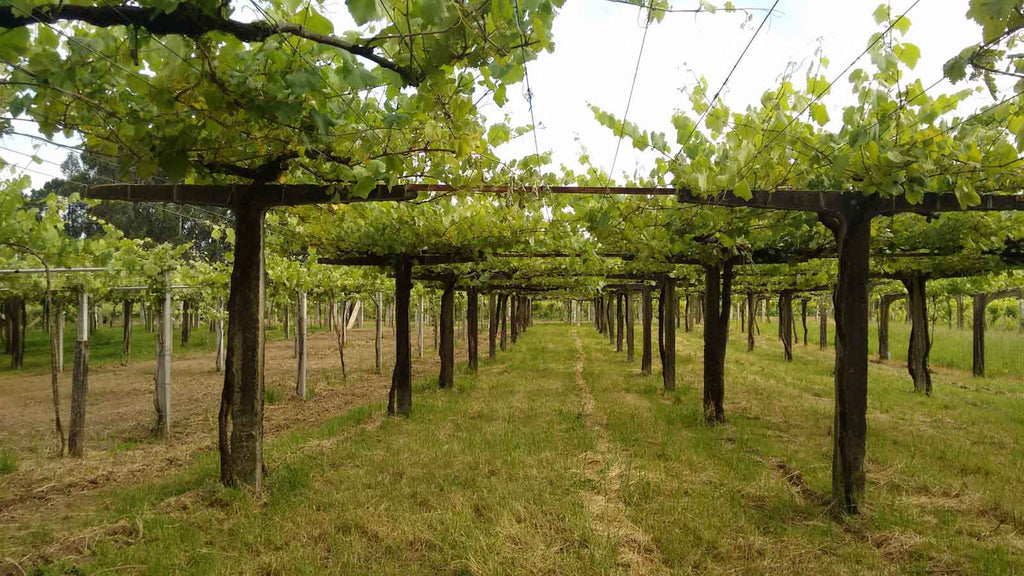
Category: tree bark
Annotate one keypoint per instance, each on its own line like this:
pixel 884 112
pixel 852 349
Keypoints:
pixel 609 317
pixel 472 328
pixel 630 336
pixel 717 305
pixel 620 321
pixel 751 318
pixel 420 318
pixel 852 231
pixel 688 315
pixel 503 312
pixel 126 332
pixel 80 380
pixel 822 324
pixel 884 315
pixel 400 397
pixel 803 317
pixel 786 323
pixel 301 331
pixel 492 325
pixel 646 359
pixel 241 413
pixel 378 334
pixel 165 342
pixel 446 378
pixel 920 342
pixel 186 323
pixel 668 367
pixel 513 318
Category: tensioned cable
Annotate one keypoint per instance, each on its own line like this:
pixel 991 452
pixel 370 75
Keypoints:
pixel 526 75
pixel 629 100
pixel 743 170
pixel 728 76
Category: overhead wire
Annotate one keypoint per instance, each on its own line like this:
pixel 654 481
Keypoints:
pixel 743 170
pixel 629 100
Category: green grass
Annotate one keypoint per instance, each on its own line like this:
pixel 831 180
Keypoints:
pixel 490 478
pixel 8 461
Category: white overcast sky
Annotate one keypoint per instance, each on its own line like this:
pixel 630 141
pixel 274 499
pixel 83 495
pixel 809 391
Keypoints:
pixel 596 48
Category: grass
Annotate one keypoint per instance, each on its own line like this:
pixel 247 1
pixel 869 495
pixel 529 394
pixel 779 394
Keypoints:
pixel 492 478
pixel 8 461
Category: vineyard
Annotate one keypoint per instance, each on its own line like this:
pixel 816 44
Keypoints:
pixel 291 306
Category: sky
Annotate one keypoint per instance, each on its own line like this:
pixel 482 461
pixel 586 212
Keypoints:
pixel 597 43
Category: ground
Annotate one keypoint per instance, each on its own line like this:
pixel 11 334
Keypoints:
pixel 557 458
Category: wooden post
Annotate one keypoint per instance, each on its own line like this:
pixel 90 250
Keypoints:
pixel 503 312
pixel 400 395
pixel 163 380
pixel 301 331
pixel 620 321
pixel 492 326
pixel 668 368
pixel 630 352
pixel 419 327
pixel 472 328
pixel 751 319
pixel 80 379
pixel 126 335
pixel 378 339
pixel 717 305
pixel 446 350
pixel 646 359
pixel 60 335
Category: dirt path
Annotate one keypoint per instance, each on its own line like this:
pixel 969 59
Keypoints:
pixel 603 469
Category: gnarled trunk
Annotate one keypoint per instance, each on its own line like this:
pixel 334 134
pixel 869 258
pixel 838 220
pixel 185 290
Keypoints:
pixel 717 303
pixel 920 342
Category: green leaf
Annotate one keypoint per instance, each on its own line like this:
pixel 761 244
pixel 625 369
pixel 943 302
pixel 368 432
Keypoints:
pixel 909 55
pixel 819 113
pixel 742 190
pixel 364 186
pixel 498 134
pixel 174 163
pixel 14 43
pixel 363 11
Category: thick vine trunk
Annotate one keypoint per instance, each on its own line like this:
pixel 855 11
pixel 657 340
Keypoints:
pixel 920 342
pixel 420 318
pixel 646 359
pixel 301 332
pixel 717 304
pixel 165 336
pixel 14 312
pixel 240 418
pixel 630 336
pixel 668 367
pixel 341 334
pixel 803 317
pixel 80 380
pixel 980 303
pixel 688 315
pixel 751 319
pixel 492 325
pixel 446 350
pixel 473 328
pixel 822 324
pixel 620 321
pixel 378 335
pixel 661 324
pixel 853 237
pixel 186 322
pixel 126 332
pixel 400 397
pixel 786 323
pixel 884 315
pixel 609 317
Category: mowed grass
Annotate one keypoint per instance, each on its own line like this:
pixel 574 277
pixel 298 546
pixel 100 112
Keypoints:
pixel 945 474
pixel 489 478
